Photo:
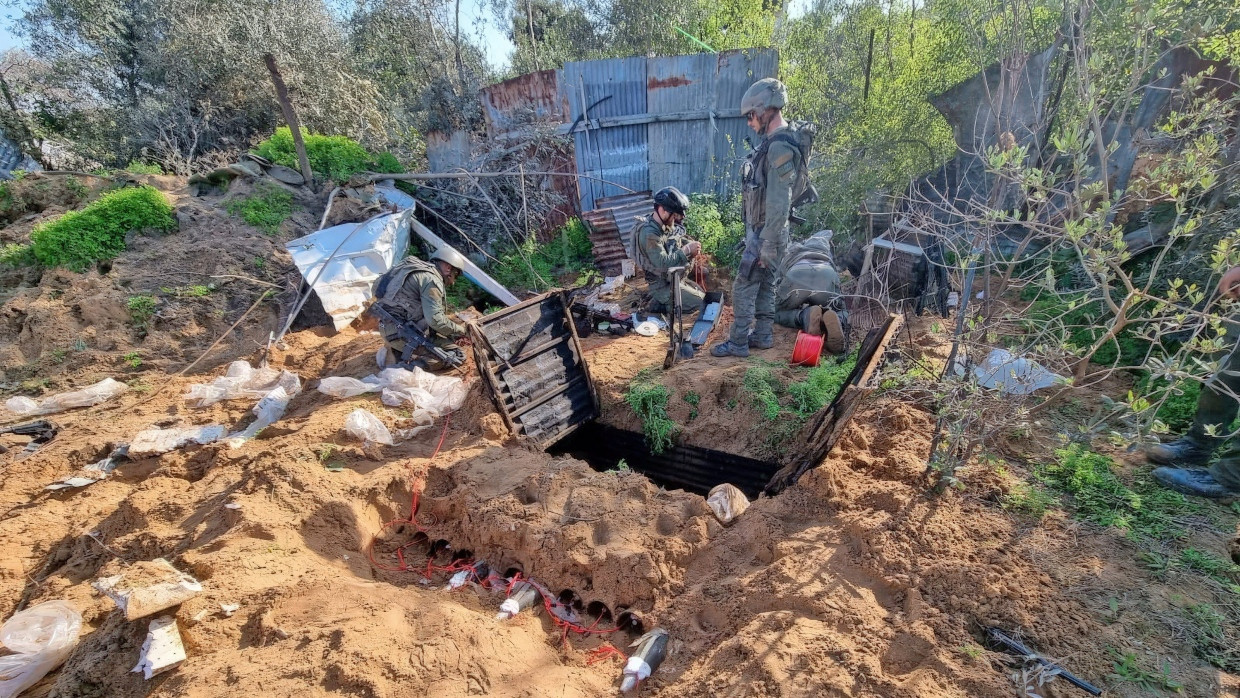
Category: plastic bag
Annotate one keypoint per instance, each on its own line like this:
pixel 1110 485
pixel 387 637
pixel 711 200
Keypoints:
pixel 268 411
pixel 43 637
pixel 727 502
pixel 420 421
pixel 242 380
pixel 102 391
pixel 368 428
pixel 154 441
pixel 341 386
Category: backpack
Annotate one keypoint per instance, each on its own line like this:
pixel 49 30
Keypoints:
pixel 800 135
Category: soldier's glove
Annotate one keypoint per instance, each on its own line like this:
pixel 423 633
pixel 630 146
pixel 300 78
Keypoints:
pixel 769 257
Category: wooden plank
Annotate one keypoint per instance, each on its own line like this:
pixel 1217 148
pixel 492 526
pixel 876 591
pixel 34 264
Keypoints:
pixel 642 119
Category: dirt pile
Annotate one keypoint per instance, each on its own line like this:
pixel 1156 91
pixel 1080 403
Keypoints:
pixel 856 582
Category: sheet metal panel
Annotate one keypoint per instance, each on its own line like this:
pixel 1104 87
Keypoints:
pixel 616 154
pixel 735 72
pixel 680 151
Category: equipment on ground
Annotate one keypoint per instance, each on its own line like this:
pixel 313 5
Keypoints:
pixel 1013 645
pixel 414 339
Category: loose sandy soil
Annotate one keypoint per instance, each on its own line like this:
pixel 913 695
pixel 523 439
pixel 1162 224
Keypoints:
pixel 855 582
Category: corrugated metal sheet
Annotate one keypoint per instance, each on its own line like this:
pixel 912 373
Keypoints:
pixel 616 155
pixel 735 72
pixel 611 227
pixel 530 96
pixel 681 151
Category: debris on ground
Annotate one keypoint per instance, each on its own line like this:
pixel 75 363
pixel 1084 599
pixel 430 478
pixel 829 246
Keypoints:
pixel 243 381
pixel 150 442
pixel 436 395
pixel 102 391
pixel 95 471
pixel 41 639
pixel 367 428
pixel 651 651
pixel 1012 375
pixel 162 650
pixel 147 587
pixel 727 501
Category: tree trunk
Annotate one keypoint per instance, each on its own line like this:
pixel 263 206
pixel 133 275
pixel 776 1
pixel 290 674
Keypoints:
pixel 460 64
pixel 291 117
pixel 869 62
pixel 529 21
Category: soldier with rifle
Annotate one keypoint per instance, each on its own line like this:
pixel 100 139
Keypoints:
pixel 409 304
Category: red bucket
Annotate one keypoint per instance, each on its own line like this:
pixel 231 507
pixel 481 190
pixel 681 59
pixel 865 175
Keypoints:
pixel 807 350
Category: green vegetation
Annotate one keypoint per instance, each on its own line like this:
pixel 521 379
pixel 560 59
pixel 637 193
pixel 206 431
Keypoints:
pixel 17 255
pixel 265 209
pixel 1219 569
pixel 196 291
pixel 141 309
pixel 337 157
pixel 1030 500
pixel 538 266
pixel 649 398
pixel 1098 495
pixel 718 226
pixel 1215 638
pixel 1179 408
pixel 142 168
pixel 78 239
pixel 622 466
pixel 132 359
pixel 1128 670
pixel 693 399
pixel 785 408
pixel 1080 318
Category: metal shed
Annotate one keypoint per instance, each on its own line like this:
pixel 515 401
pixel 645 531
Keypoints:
pixel 646 123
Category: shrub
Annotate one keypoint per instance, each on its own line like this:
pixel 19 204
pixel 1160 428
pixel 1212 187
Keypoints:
pixel 266 209
pixel 141 309
pixel 78 239
pixel 142 168
pixel 648 399
pixel 16 254
pixel 535 266
pixel 718 226
pixel 337 157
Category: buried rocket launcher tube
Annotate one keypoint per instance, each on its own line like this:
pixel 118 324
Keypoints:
pixel 522 597
pixel 651 651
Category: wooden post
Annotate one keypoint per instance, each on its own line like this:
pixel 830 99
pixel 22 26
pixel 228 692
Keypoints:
pixel 869 63
pixel 291 117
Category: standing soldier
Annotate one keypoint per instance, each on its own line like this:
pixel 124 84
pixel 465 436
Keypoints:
pixel 412 294
pixel 767 180
pixel 658 248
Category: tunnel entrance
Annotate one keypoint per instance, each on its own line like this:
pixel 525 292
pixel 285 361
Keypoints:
pixel 679 467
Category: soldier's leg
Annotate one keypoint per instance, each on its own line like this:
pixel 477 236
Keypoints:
pixel 433 363
pixel 660 296
pixel 789 318
pixel 691 297
pixel 764 311
pixel 394 344
pixel 1218 403
pixel 744 296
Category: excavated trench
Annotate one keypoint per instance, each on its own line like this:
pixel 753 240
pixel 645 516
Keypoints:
pixel 685 467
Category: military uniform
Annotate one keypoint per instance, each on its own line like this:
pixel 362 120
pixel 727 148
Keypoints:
pixel 658 250
pixel 413 292
pixel 1217 407
pixel 807 277
pixel 767 178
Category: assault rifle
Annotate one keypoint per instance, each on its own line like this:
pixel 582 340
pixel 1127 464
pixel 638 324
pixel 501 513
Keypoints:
pixel 414 339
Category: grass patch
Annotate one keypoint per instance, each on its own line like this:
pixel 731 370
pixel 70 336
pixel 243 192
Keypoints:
pixel 265 209
pixel 337 157
pixel 1100 497
pixel 785 408
pixel 141 310
pixel 78 239
pixel 1219 569
pixel 133 359
pixel 143 168
pixel 1215 638
pixel 17 255
pixel 1030 500
pixel 1129 670
pixel 196 291
pixel 649 399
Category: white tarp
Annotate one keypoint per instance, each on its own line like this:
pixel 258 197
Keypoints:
pixel 1012 375
pixel 344 286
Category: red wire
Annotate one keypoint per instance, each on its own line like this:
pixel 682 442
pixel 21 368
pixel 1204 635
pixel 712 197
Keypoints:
pixel 416 483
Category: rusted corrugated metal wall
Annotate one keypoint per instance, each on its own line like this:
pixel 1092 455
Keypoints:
pixel 533 95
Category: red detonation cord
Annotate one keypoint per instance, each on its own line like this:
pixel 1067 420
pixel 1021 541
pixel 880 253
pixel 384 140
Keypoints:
pixel 604 652
pixel 492 580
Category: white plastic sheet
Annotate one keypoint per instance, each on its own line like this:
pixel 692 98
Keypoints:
pixel 43 636
pixel 437 395
pixel 345 283
pixel 1013 375
pixel 367 427
pixel 102 391
pixel 268 411
pixel 727 502
pixel 242 380
pixel 155 441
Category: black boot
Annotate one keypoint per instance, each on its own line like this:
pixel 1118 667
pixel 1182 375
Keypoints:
pixel 1198 483
pixel 1183 451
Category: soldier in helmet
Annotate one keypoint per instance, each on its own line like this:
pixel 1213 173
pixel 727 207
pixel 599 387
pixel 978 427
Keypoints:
pixel 413 293
pixel 658 247
pixel 767 180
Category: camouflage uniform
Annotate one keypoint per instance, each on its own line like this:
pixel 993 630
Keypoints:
pixel 413 292
pixel 1216 406
pixel 807 277
pixel 658 250
pixel 767 178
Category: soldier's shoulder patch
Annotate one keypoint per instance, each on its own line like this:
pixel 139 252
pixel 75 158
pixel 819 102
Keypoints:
pixel 434 293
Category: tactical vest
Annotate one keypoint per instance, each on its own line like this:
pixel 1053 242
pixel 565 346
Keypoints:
pixel 799 135
pixel 389 287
